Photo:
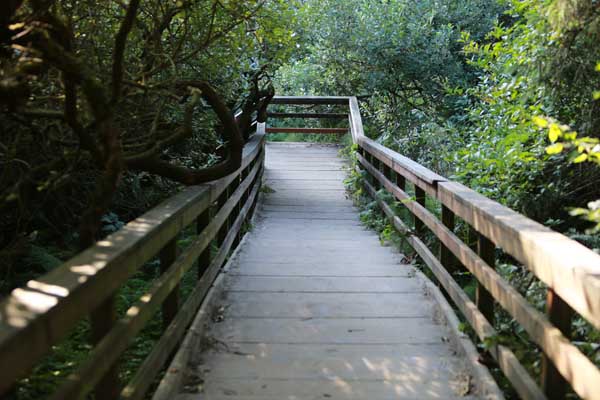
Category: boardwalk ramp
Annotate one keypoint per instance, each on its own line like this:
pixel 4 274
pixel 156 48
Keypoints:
pixel 314 307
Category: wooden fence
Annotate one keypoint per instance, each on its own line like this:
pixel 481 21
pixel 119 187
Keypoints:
pixel 38 316
pixel 570 270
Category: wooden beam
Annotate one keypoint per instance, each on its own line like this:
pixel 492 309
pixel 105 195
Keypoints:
pixel 308 131
pixel 411 170
pixel 282 115
pixel 310 100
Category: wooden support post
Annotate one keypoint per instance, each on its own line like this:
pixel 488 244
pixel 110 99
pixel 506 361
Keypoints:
pixel 375 162
pixel 242 202
pixel 448 259
pixel 257 182
pixel 420 198
pixel 484 300
pixel 225 228
pixel 401 182
pixel 560 315
pixel 102 321
pixel 387 171
pixel 236 210
pixel 204 258
pixel 170 306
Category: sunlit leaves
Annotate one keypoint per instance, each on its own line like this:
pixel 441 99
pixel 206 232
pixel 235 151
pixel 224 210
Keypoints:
pixel 555 148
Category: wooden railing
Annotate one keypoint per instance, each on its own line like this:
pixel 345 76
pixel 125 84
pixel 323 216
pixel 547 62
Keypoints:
pixel 570 270
pixel 308 101
pixel 36 317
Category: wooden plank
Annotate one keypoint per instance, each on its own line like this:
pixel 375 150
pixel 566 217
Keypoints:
pixel 569 268
pixel 323 284
pixel 37 316
pixel 325 305
pixel 151 367
pixel 376 331
pixel 568 359
pixel 310 100
pixel 312 115
pixel 508 362
pixel 307 131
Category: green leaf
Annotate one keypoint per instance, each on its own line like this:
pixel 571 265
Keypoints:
pixel 554 133
pixel 580 158
pixel 555 148
pixel 540 121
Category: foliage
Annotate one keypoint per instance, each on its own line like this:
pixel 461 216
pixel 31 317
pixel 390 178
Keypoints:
pixel 103 104
pixel 582 149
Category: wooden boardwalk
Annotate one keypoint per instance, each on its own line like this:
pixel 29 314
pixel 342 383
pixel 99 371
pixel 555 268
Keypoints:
pixel 313 307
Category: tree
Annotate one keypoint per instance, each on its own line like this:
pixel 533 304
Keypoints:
pixel 92 91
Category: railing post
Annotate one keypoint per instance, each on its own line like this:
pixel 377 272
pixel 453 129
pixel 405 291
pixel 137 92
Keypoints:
pixel 236 210
pixel 204 258
pixel 446 257
pixel 171 304
pixel 375 163
pixel 102 320
pixel 225 227
pixel 243 199
pixel 420 198
pixel 484 300
pixel 387 172
pixel 560 315
pixel 401 182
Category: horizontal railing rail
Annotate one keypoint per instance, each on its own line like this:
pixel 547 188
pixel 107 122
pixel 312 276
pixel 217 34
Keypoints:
pixel 312 102
pixel 307 115
pixel 308 131
pixel 36 317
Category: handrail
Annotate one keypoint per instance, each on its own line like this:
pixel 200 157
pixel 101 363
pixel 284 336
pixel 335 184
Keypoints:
pixel 310 100
pixel 35 317
pixel 570 270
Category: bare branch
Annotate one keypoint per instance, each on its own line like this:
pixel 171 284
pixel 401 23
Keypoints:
pixel 120 43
